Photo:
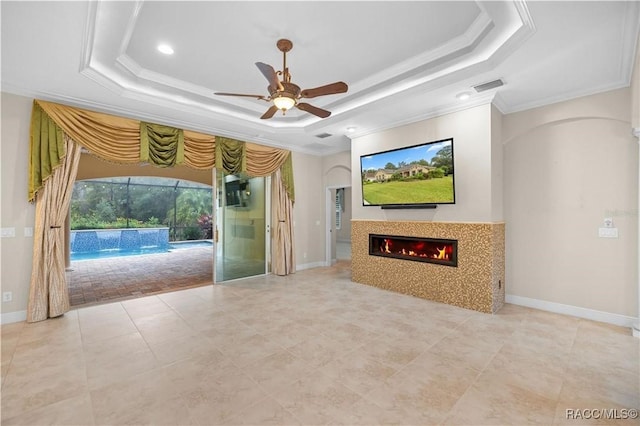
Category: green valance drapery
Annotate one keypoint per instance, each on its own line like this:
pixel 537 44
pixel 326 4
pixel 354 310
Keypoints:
pixel 162 146
pixel 124 140
pixel 231 155
pixel 46 151
pixel 234 156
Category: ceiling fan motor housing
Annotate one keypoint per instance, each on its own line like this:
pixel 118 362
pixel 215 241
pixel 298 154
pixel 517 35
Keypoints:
pixel 290 91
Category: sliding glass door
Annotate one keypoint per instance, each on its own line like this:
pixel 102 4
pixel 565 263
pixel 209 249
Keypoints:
pixel 242 225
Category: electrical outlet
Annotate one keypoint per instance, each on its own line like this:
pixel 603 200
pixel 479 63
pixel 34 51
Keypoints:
pixel 608 232
pixel 8 232
pixel 28 231
pixel 7 296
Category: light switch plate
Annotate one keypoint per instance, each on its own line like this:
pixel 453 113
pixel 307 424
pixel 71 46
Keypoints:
pixel 608 232
pixel 8 232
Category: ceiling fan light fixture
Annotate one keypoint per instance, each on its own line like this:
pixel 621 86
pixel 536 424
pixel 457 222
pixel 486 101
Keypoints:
pixel 284 103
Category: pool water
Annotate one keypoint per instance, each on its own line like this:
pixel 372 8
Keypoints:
pixel 102 254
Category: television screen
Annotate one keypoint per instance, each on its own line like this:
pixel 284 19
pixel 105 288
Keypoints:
pixel 236 194
pixel 409 176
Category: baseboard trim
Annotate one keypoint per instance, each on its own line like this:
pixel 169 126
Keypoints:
pixel 311 265
pixel 11 317
pixel 576 311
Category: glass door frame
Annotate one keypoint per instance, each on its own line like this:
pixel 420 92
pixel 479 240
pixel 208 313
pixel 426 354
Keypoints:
pixel 218 203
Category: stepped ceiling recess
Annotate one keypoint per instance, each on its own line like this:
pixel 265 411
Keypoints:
pixel 403 61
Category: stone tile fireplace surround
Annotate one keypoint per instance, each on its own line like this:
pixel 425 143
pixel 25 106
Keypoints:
pixel 477 282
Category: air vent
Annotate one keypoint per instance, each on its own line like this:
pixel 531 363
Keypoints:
pixel 488 86
pixel 323 135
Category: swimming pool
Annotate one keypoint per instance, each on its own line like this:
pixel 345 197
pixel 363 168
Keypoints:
pixel 102 254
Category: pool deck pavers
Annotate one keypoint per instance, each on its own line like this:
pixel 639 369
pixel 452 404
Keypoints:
pixel 119 278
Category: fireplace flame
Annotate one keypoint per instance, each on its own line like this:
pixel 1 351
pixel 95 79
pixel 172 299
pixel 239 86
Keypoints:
pixel 441 253
pixel 408 248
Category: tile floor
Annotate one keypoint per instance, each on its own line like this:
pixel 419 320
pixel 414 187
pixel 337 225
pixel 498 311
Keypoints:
pixel 310 349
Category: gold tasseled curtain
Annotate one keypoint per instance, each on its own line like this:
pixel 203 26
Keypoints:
pixel 57 130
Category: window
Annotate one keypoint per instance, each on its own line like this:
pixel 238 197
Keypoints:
pixel 339 207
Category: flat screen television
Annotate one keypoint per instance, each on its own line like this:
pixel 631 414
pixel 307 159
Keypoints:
pixel 410 177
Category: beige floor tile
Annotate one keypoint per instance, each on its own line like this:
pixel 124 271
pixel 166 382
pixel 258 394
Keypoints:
pixel 492 402
pixel 276 370
pixel 359 371
pixel 28 388
pixel 167 352
pixel 316 399
pixel 472 351
pixel 411 400
pixel 366 413
pixel 191 373
pixel 619 387
pixel 252 349
pixel 216 401
pixel 72 411
pixel 288 334
pixel 442 373
pixel 145 306
pixel 527 373
pixel 395 353
pixel 265 412
pixel 147 398
pixel 164 327
pixel 100 329
pixel 311 348
pixel 116 359
pixel 317 350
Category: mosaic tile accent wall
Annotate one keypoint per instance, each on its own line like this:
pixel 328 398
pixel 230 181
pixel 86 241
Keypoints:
pixel 118 239
pixel 477 283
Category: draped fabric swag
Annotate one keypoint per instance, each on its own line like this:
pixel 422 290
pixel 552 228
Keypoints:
pixel 57 134
pixel 48 293
pixel 281 221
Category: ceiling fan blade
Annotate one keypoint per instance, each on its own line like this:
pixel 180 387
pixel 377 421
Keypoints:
pixel 270 74
pixel 269 112
pixel 322 113
pixel 329 89
pixel 240 94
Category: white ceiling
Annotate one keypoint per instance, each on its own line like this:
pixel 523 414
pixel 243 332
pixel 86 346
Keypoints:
pixel 403 61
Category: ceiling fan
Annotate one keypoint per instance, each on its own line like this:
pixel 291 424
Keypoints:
pixel 286 95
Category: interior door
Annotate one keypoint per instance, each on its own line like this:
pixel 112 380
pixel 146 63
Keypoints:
pixel 242 226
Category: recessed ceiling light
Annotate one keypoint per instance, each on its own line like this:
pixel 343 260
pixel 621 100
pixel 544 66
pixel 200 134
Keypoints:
pixel 463 96
pixel 165 48
pixel 351 129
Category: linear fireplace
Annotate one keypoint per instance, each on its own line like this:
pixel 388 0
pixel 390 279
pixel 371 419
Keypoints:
pixel 431 250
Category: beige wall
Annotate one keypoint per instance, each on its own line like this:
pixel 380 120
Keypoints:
pixel 567 166
pixel 635 90
pixel 309 210
pixel 91 167
pixel 471 130
pixel 15 253
pixel 497 167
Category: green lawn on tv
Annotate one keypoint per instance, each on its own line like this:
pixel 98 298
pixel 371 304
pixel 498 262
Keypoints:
pixel 438 190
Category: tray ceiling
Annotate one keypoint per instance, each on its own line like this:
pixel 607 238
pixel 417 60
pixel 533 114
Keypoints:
pixel 403 61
